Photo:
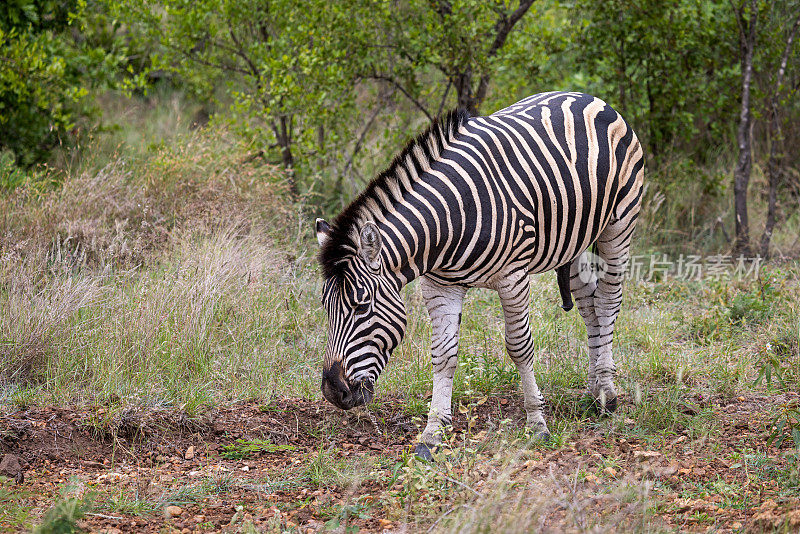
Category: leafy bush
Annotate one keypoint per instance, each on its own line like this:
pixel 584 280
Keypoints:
pixel 11 175
pixel 47 71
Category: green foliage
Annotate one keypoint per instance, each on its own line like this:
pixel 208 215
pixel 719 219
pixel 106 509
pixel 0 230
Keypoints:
pixel 47 71
pixel 11 175
pixel 344 513
pixel 245 448
pixel 284 69
pixel 63 517
pixel 660 63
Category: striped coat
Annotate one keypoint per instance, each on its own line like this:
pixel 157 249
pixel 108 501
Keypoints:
pixel 483 202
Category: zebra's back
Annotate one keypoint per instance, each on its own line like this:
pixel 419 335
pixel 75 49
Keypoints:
pixel 534 183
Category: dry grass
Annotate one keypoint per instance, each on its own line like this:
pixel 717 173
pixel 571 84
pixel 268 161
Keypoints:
pixel 126 211
pixel 155 280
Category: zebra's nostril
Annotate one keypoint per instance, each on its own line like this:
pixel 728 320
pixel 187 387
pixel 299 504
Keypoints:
pixel 337 392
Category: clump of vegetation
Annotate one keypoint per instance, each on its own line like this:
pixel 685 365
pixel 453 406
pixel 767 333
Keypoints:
pixel 63 517
pixel 245 448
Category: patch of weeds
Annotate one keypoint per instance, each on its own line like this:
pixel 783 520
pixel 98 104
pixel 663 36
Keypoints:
pixel 416 406
pixel 661 412
pixel 244 448
pixel 218 485
pixel 63 516
pixel 568 404
pixel 125 503
pixel 764 468
pixel 735 306
pixel 270 408
pixel 343 514
pixel 786 425
pixel 13 509
pixel 755 305
pixel 321 470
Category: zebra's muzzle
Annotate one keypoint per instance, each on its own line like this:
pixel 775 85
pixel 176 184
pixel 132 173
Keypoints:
pixel 340 393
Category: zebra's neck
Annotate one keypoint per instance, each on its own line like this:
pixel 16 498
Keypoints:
pixel 396 201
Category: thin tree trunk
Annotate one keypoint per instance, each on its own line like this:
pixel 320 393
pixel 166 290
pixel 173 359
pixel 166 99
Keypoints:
pixel 466 98
pixel 283 137
pixel 741 174
pixel 775 161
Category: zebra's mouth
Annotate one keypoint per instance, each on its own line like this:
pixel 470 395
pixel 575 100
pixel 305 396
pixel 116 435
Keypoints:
pixel 363 392
pixel 348 395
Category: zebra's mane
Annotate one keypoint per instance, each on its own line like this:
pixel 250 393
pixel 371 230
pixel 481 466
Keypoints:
pixel 418 153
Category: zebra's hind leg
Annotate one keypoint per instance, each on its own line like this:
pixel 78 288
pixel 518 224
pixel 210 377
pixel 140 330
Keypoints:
pixel 582 284
pixel 613 247
pixel 514 291
pixel 444 307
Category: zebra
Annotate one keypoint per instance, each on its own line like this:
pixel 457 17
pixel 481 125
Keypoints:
pixel 483 202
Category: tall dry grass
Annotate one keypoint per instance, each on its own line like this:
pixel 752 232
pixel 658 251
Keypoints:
pixel 160 280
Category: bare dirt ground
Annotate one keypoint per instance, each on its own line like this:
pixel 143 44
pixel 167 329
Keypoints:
pixel 132 461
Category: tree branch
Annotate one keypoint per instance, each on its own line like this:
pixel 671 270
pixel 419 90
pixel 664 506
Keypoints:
pixel 503 27
pixel 444 96
pixel 395 83
pixel 239 51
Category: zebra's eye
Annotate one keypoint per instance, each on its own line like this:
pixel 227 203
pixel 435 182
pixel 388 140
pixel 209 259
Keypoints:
pixel 362 308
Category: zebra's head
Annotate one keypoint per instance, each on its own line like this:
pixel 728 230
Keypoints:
pixel 366 315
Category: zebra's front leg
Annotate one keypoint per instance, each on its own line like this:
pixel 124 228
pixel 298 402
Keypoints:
pixel 514 294
pixel 444 305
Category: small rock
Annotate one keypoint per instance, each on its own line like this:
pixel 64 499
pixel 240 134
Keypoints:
pixel 644 456
pixel 741 399
pixel 678 440
pixel 173 511
pixel 610 471
pixel 11 467
pixel 189 453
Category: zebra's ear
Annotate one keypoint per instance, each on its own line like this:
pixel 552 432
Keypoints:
pixel 323 231
pixel 370 246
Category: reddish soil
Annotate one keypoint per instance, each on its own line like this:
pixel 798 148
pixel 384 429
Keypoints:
pixel 145 455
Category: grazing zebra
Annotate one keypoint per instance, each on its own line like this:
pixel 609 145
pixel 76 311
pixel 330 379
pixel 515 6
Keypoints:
pixel 483 202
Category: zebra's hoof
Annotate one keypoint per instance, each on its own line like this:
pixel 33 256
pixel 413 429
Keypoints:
pixel 544 437
pixel 607 408
pixel 423 452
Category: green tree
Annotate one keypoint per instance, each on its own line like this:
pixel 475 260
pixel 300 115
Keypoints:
pixel 666 65
pixel 285 67
pixel 426 49
pixel 47 68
